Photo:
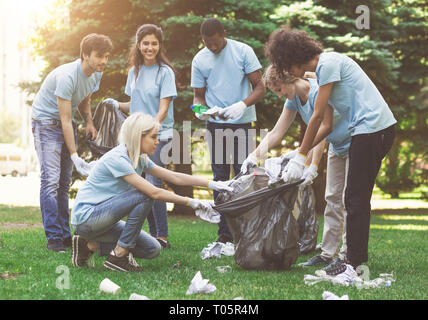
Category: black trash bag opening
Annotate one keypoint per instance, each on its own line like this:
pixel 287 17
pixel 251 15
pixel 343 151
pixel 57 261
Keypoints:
pixel 263 221
pixel 107 120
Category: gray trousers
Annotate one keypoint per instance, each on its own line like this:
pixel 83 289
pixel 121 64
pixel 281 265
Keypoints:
pixel 335 213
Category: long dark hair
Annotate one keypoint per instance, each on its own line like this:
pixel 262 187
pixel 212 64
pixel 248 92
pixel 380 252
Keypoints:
pixel 136 59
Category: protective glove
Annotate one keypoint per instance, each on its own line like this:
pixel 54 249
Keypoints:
pixel 219 186
pixel 309 174
pixel 234 111
pixel 288 155
pixel 92 164
pixel 294 169
pixel 248 163
pixel 113 102
pixel 82 166
pixel 200 204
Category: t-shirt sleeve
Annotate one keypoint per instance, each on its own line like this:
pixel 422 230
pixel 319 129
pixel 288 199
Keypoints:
pixel 328 71
pixel 251 62
pixel 64 87
pixel 197 78
pixel 129 80
pixel 119 166
pixel 146 163
pixel 290 105
pixel 168 88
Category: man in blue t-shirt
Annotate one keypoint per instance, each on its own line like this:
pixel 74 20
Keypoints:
pixel 222 76
pixel 65 89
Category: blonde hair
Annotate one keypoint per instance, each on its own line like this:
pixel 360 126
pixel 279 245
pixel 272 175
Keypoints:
pixel 272 77
pixel 133 128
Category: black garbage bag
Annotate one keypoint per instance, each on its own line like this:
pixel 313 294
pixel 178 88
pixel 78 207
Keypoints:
pixel 307 221
pixel 262 221
pixel 107 120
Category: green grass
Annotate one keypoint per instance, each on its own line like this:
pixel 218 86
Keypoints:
pixel 398 243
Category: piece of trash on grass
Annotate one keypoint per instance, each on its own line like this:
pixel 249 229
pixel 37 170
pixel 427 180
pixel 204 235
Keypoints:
pixel 216 249
pixel 109 286
pixel 223 269
pixel 135 296
pixel 176 265
pixel 238 298
pixel 350 278
pixel 200 285
pixel 327 295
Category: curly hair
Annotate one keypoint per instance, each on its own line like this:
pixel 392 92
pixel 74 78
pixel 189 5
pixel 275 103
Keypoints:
pixel 286 48
pixel 272 77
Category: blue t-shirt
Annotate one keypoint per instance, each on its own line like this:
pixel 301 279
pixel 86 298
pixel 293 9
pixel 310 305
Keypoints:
pixel 339 138
pixel 224 75
pixel 153 83
pixel 353 95
pixel 105 181
pixel 67 82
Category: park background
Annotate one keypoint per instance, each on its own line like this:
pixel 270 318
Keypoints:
pixel 391 49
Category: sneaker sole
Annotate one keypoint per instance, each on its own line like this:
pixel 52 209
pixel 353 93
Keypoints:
pixel 75 252
pixel 114 267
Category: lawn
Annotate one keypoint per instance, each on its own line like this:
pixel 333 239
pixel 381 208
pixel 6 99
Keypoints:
pixel 398 243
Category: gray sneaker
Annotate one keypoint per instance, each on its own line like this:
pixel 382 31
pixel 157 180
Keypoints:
pixel 336 267
pixel 316 261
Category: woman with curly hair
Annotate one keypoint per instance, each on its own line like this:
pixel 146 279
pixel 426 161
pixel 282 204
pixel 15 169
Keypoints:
pixel 151 86
pixel 300 94
pixel 348 89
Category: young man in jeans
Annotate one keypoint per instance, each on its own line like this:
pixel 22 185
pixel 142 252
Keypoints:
pixel 221 76
pixel 65 89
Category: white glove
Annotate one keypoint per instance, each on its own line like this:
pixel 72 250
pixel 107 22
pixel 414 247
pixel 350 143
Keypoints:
pixel 200 204
pixel 219 186
pixel 234 111
pixel 82 166
pixel 294 169
pixel 248 163
pixel 309 174
pixel 288 155
pixel 92 164
pixel 113 102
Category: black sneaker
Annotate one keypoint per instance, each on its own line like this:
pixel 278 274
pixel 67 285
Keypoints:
pixel 336 267
pixel 316 261
pixel 80 252
pixel 126 263
pixel 67 242
pixel 164 243
pixel 224 239
pixel 55 245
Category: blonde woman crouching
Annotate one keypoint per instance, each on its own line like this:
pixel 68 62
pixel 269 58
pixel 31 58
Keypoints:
pixel 115 189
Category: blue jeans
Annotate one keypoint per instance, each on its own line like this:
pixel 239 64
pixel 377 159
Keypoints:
pixel 105 225
pixel 220 164
pixel 158 216
pixel 56 167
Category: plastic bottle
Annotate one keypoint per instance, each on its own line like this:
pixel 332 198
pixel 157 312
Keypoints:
pixel 199 108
